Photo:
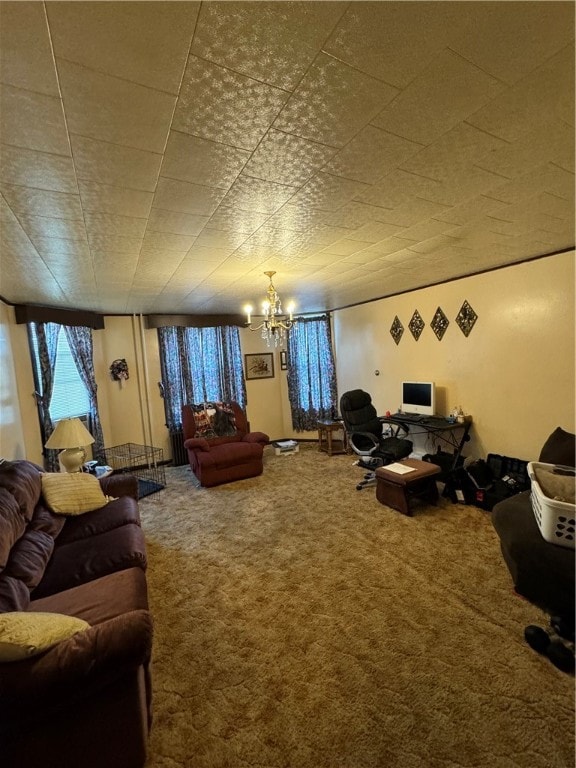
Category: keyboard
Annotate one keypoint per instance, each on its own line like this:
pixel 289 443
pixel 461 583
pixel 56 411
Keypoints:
pixel 413 418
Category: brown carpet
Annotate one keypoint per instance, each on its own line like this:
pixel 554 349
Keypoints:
pixel 301 624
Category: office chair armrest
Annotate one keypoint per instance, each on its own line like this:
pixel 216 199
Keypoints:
pixel 363 441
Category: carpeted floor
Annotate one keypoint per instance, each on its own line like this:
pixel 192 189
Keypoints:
pixel 301 624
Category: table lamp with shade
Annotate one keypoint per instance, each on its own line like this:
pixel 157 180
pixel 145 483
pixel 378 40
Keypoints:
pixel 73 437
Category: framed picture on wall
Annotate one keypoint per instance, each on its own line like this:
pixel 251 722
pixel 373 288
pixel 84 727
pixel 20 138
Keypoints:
pixel 283 360
pixel 260 366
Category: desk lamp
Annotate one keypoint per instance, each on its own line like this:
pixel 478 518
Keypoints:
pixel 73 436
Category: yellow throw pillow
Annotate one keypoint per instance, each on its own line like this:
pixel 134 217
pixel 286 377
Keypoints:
pixel 72 493
pixel 24 634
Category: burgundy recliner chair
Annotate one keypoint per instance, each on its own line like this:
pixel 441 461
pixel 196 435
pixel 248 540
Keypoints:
pixel 220 447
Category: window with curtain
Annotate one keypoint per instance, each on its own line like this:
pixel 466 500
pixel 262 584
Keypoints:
pixel 199 365
pixel 62 358
pixel 69 395
pixel 311 373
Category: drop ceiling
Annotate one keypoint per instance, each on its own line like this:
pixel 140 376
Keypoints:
pixel 158 157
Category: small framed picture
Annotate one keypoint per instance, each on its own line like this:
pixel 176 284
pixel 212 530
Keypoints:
pixel 259 366
pixel 283 360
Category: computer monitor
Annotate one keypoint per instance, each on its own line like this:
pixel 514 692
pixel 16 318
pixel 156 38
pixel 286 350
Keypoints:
pixel 418 397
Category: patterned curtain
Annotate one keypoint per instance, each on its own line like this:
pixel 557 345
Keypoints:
pixel 311 373
pixel 199 365
pixel 80 341
pixel 47 340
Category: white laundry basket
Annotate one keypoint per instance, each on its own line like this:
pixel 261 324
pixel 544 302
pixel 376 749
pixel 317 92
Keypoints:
pixel 556 519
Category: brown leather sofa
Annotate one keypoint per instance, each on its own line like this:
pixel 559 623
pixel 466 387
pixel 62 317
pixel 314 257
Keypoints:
pixel 86 700
pixel 220 447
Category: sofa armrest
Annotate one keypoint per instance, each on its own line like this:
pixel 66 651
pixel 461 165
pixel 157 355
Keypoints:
pixel 197 443
pixel 256 437
pixel 69 670
pixel 120 485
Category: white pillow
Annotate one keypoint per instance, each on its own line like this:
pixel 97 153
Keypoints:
pixel 72 493
pixel 24 634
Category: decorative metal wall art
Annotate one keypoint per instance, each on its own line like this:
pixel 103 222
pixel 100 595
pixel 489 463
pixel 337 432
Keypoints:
pixel 439 323
pixel 119 370
pixel 466 318
pixel 396 330
pixel 416 325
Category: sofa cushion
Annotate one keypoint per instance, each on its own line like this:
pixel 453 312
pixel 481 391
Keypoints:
pixel 12 525
pixel 14 594
pixel 87 559
pixel 72 493
pixel 22 480
pixel 45 520
pixel 29 557
pixel 559 448
pixel 24 634
pixel 101 599
pixel 116 513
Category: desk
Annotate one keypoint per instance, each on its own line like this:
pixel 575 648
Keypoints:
pixel 451 433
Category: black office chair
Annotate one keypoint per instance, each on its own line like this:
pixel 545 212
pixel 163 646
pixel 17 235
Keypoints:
pixel 364 430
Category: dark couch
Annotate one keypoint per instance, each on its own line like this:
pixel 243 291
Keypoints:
pixel 541 572
pixel 85 701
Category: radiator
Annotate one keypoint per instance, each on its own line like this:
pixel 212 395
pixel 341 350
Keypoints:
pixel 179 453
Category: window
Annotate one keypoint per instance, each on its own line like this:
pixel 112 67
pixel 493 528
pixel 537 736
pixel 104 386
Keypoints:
pixel 69 395
pixel 199 365
pixel 311 372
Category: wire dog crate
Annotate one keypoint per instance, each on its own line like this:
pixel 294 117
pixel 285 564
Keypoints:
pixel 142 461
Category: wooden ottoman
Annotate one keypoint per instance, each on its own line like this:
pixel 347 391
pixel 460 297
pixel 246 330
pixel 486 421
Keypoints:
pixel 395 489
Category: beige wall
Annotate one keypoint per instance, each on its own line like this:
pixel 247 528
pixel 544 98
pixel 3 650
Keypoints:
pixel 514 373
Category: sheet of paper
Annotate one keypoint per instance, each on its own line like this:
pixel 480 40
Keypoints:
pixel 400 469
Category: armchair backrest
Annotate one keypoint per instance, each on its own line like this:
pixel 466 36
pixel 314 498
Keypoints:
pixel 359 414
pixel 196 423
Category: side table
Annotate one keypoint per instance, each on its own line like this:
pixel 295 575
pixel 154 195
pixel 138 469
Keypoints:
pixel 326 441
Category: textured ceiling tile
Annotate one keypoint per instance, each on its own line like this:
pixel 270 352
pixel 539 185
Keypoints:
pixel 333 102
pixel 33 121
pixel 275 45
pixel 548 90
pixel 218 239
pixel 189 158
pixel 41 202
pixel 29 168
pixel 115 243
pixel 176 223
pixel 110 109
pixel 287 159
pixel 258 195
pixel 448 91
pixel 328 192
pixel 397 188
pixel 25 54
pixel 346 247
pixel 353 215
pixel 471 210
pixel 68 246
pixel 107 163
pixel 182 197
pixel 236 220
pixel 47 226
pixel 467 183
pixel 412 212
pixel 109 224
pixel 104 198
pixel 223 106
pixel 393 41
pixel 167 241
pixel 373 153
pixel 515 49
pixel 374 231
pixel 146 43
pixel 453 152
pixel 208 253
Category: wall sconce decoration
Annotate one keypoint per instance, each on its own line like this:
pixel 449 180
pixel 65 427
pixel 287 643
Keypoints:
pixel 119 370
pixel 416 325
pixel 439 323
pixel 396 330
pixel 283 360
pixel 466 318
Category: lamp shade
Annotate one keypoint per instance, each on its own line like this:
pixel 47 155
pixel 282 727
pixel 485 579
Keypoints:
pixel 69 433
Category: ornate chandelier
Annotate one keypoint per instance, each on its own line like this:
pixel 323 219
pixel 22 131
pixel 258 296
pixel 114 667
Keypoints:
pixel 275 323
